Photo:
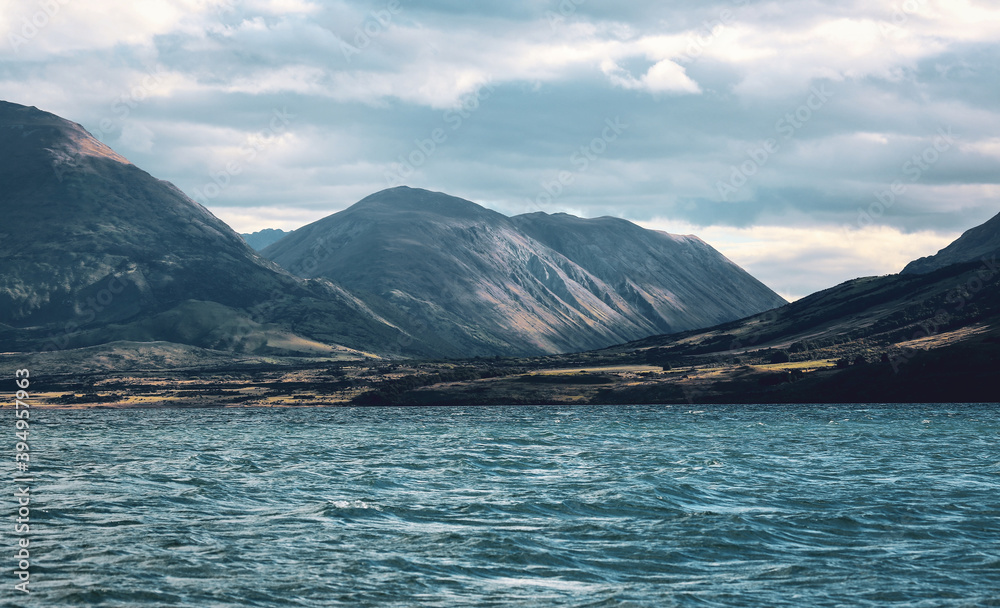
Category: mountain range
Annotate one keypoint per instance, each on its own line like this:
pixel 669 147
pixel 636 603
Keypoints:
pixel 106 267
pixel 469 280
pixel 917 337
pixel 98 251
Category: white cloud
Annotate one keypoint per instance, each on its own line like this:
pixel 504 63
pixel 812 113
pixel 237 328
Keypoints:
pixel 797 261
pixel 252 219
pixel 989 146
pixel 63 26
pixel 300 79
pixel 276 7
pixel 663 77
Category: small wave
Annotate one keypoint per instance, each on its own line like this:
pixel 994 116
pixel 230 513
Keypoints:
pixel 353 504
pixel 562 585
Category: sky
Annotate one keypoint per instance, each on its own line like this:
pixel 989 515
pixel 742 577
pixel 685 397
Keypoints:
pixel 809 141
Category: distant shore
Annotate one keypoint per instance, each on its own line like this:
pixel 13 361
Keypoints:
pixel 588 379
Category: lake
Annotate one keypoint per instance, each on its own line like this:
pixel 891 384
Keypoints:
pixel 853 505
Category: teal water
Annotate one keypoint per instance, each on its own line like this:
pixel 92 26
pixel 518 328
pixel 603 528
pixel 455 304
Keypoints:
pixel 519 506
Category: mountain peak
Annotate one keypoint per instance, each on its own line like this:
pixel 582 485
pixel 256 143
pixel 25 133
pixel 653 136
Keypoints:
pixel 96 251
pixel 30 129
pixel 977 243
pixel 264 238
pixel 404 201
pixel 15 112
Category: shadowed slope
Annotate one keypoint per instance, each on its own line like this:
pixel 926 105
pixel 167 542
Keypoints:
pixel 90 240
pixel 983 241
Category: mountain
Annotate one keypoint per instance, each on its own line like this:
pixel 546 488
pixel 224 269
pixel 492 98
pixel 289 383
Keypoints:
pixel 929 334
pixel 943 300
pixel 262 238
pixel 931 338
pixel 676 282
pixel 865 316
pixel 908 338
pixel 470 281
pixel 96 250
pixel 914 338
pixel 983 241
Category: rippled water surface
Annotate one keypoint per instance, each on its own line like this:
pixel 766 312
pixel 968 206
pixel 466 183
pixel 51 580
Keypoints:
pixel 617 506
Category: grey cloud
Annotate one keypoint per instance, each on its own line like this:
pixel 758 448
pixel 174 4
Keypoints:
pixel 667 164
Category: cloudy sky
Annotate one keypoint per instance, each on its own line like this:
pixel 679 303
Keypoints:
pixel 810 141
